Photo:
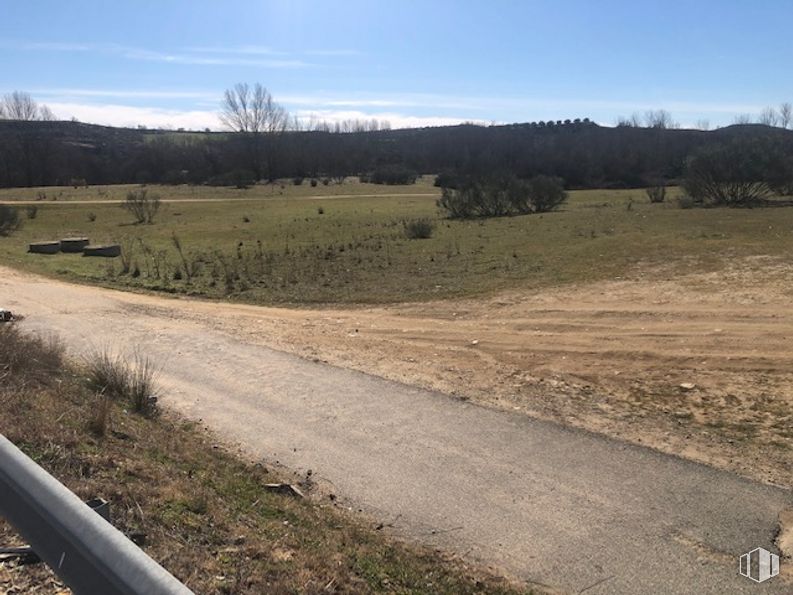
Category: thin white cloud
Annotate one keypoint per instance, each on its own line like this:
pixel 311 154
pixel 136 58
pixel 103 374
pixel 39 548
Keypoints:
pixel 523 107
pixel 266 51
pixel 155 117
pixel 197 108
pixel 433 102
pixel 332 53
pixel 60 93
pixel 131 116
pixel 240 55
pixel 168 58
pixel 256 50
pixel 409 100
pixel 53 46
pixel 396 119
pixel 672 106
pixel 308 100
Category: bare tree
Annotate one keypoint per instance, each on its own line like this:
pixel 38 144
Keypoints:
pixel 45 114
pixel 633 121
pixel 742 119
pixel 32 153
pixel 254 112
pixel 19 105
pixel 786 115
pixel 769 117
pixel 703 124
pixel 660 119
pixel 142 205
pixel 297 124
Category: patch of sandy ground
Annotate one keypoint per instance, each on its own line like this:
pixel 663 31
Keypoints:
pixel 699 366
pixel 616 357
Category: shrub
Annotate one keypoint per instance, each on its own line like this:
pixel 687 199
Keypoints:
pixel 26 358
pixel 656 194
pixel 320 211
pixel 686 202
pixel 174 177
pixel 497 197
pixel 742 173
pixel 447 180
pixel 391 175
pixel 9 220
pixel 142 205
pixel 297 181
pixel 546 193
pixel 313 182
pixel 31 211
pixel 460 204
pixel 325 181
pixel 418 229
pixel 91 216
pixel 239 178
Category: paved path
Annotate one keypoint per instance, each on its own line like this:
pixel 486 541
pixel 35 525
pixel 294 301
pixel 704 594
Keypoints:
pixel 560 507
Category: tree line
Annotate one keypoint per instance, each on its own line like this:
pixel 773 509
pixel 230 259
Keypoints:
pixel 263 142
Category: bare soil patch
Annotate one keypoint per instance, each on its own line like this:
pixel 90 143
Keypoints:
pixel 617 357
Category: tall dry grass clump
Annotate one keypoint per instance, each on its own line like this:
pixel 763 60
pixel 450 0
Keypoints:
pixel 27 358
pixel 131 380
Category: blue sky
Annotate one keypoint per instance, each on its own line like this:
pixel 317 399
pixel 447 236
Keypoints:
pixel 411 62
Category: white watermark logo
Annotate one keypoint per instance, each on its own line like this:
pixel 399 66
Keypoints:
pixel 759 565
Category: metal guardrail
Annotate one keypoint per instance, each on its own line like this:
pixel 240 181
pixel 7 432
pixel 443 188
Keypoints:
pixel 90 555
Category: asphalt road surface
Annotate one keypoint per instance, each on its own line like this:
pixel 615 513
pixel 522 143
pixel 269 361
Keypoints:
pixel 563 508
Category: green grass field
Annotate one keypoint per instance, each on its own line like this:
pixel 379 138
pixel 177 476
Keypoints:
pixel 281 189
pixel 293 248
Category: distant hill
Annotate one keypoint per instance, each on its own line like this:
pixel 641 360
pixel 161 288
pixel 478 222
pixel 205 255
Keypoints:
pixel 583 153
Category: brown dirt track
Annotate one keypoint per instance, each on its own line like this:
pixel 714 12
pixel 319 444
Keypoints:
pixel 609 357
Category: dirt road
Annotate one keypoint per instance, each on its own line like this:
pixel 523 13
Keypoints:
pixel 557 506
pixel 609 357
pixel 187 199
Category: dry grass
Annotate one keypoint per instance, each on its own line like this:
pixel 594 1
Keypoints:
pixel 100 420
pixel 205 513
pixel 282 250
pixel 26 359
pixel 131 380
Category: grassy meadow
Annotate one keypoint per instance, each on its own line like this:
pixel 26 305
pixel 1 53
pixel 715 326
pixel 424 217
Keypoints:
pixel 281 189
pixel 293 244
